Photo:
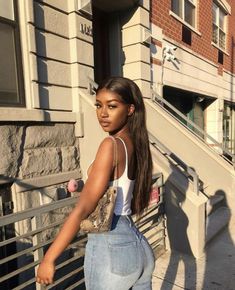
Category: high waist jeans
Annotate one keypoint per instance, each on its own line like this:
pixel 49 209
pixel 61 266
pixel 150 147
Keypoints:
pixel 121 259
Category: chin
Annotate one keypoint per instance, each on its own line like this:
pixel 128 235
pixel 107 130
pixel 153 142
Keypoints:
pixel 106 130
pixel 110 131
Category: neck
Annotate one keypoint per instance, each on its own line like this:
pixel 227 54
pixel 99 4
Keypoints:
pixel 123 132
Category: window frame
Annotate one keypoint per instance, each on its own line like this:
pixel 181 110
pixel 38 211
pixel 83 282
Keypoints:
pixel 228 123
pixel 219 10
pixel 192 2
pixel 18 56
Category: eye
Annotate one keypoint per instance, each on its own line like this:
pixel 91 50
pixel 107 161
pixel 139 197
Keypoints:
pixel 97 105
pixel 112 106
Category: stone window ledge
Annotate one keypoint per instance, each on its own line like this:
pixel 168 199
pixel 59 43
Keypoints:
pixel 171 13
pixel 15 114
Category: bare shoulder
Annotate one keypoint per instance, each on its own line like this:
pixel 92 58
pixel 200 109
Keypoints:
pixel 106 150
pixel 107 144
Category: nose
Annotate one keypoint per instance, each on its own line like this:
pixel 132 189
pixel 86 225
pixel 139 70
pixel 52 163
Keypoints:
pixel 104 111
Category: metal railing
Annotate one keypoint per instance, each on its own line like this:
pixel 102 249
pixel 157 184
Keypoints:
pixel 194 128
pixel 26 235
pixel 183 167
pixel 92 86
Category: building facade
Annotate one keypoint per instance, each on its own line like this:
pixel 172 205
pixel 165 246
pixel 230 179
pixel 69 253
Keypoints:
pixel 193 62
pixel 52 52
pixel 49 52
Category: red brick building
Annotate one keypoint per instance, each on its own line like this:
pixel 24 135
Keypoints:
pixel 198 76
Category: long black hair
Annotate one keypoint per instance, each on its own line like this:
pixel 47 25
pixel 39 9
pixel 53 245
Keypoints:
pixel 130 93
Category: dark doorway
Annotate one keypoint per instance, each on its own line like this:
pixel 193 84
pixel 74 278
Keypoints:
pixel 191 104
pixel 107 44
pixel 101 44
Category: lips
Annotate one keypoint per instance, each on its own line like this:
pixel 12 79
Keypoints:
pixel 104 123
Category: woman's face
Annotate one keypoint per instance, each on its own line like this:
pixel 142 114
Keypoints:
pixel 111 112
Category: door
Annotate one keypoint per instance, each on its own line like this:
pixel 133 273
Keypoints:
pixel 107 44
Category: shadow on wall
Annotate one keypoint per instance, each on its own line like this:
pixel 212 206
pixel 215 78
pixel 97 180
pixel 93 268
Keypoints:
pixel 220 254
pixel 41 52
pixel 215 269
pixel 177 224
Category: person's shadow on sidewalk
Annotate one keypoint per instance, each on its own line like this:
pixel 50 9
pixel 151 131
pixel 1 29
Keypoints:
pixel 219 271
pixel 177 224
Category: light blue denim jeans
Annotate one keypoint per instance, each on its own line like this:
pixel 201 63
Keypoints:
pixel 121 259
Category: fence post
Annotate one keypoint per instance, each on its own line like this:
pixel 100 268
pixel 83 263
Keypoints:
pixel 38 253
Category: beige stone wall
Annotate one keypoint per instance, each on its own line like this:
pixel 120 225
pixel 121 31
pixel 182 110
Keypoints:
pixel 28 151
pixel 10 153
pixel 49 149
pixel 57 56
pixel 62 65
pixel 135 37
pixel 40 158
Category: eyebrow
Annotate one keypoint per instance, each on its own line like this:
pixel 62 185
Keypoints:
pixel 109 101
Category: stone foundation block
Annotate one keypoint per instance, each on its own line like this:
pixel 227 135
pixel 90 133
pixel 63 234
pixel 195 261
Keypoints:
pixel 39 162
pixel 11 138
pixel 54 135
pixel 70 158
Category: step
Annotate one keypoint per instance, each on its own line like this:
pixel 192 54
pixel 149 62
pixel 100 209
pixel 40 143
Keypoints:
pixel 212 202
pixel 216 221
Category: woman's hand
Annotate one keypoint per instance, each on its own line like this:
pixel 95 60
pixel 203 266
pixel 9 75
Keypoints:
pixel 45 272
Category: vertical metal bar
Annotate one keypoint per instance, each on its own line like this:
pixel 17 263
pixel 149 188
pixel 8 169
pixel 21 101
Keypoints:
pixel 38 254
pixel 2 229
pixel 161 188
pixel 196 183
pixel 1 207
pixel 194 175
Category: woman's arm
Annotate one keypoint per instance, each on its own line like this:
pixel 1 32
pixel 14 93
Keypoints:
pixel 93 190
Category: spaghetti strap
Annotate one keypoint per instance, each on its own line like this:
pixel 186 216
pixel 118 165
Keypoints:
pixel 126 153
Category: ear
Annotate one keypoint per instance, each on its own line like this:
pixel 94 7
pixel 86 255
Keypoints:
pixel 131 110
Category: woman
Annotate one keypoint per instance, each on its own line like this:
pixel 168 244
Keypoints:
pixel 122 258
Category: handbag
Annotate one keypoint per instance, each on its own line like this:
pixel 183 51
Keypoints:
pixel 100 220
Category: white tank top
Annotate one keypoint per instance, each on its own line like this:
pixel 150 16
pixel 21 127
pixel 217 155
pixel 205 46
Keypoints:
pixel 125 188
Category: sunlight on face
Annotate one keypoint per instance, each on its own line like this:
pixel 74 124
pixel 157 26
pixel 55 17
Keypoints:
pixel 111 112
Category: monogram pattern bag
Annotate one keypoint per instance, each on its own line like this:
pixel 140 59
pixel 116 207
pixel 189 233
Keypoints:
pixel 100 220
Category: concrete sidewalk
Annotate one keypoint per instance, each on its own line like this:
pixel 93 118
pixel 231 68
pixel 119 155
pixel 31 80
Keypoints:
pixel 213 271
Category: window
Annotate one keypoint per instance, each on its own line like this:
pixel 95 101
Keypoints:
pixel 185 9
pixel 218 26
pixel 11 82
pixel 228 127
